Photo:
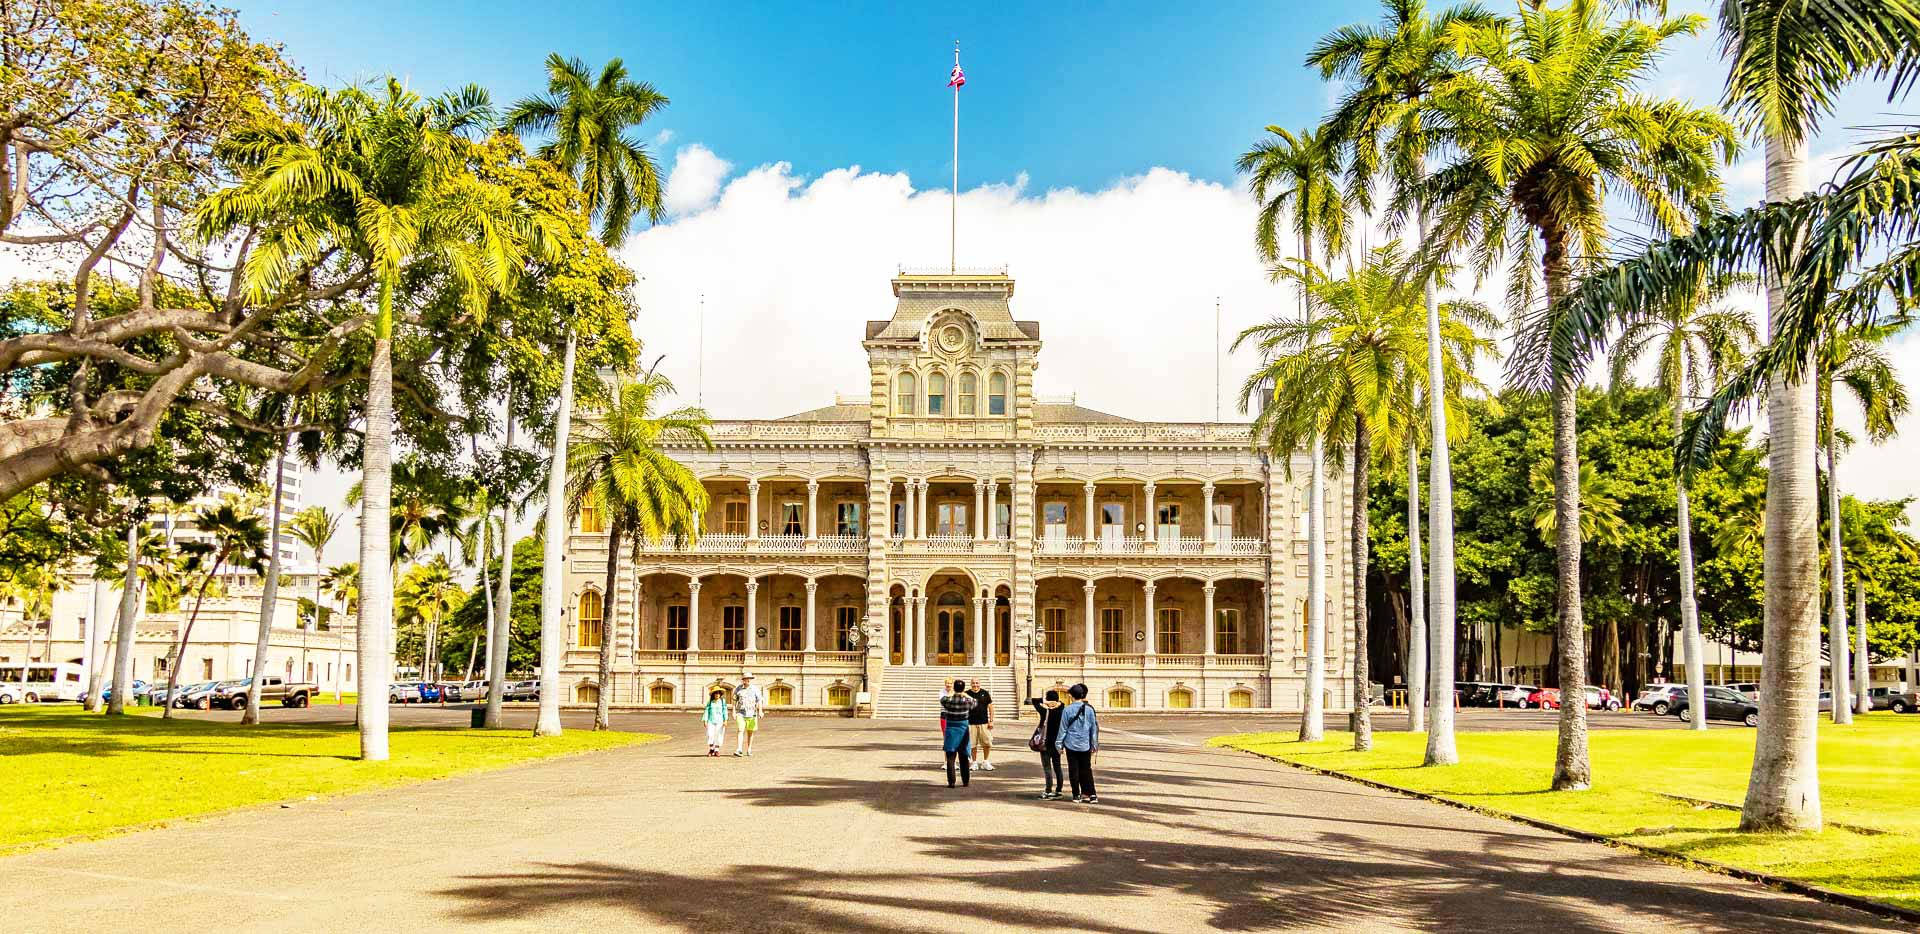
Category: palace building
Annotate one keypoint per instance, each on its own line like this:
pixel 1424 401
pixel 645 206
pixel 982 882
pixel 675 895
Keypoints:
pixel 952 524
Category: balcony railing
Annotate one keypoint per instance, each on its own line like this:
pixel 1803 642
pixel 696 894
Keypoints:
pixel 839 658
pixel 779 658
pixel 1136 660
pixel 1181 545
pixel 950 543
pixel 1060 544
pixel 783 544
pixel 1236 661
pixel 660 656
pixel 1240 545
pixel 1134 544
pixel 843 544
pixel 1148 432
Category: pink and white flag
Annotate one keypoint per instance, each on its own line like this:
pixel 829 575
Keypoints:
pixel 958 79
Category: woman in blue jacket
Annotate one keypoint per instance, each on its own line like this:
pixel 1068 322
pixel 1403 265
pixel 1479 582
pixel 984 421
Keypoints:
pixel 1080 738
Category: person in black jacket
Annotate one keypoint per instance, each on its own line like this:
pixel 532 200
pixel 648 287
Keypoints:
pixel 1049 728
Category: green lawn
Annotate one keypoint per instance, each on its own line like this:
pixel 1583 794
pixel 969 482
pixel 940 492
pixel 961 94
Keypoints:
pixel 72 775
pixel 1869 778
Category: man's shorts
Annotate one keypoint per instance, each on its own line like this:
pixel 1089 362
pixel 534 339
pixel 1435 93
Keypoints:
pixel 982 738
pixel 749 724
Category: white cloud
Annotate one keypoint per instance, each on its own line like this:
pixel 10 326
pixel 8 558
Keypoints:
pixel 695 179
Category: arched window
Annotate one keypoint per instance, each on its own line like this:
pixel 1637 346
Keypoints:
pixel 997 394
pixel 586 694
pixel 1240 700
pixel 1119 697
pixel 780 695
pixel 937 394
pixel 590 518
pixel 1179 699
pixel 660 694
pixel 839 695
pixel 591 619
pixel 906 390
pixel 968 395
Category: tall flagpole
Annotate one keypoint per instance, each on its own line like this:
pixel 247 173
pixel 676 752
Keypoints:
pixel 953 197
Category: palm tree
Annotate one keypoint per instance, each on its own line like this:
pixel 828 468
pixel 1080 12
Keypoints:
pixel 270 587
pixel 1852 360
pixel 591 120
pixel 1600 519
pixel 1549 123
pixel 430 592
pixel 618 468
pixel 1341 376
pixel 1394 72
pixel 1297 176
pixel 478 534
pixel 315 528
pixel 385 177
pixel 1693 338
pixel 230 534
pixel 1788 61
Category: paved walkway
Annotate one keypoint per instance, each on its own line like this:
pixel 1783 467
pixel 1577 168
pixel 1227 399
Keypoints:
pixel 840 825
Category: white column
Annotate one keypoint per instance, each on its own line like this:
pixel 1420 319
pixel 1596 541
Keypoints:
pixel 813 523
pixel 989 647
pixel 753 510
pixel 1089 523
pixel 813 586
pixel 1206 513
pixel 693 614
pixel 920 502
pixel 979 649
pixel 993 509
pixel 906 509
pixel 1152 623
pixel 1208 590
pixel 1152 518
pixel 919 652
pixel 980 509
pixel 1091 644
pixel 753 615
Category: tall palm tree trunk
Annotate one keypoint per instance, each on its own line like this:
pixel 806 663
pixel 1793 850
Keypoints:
pixel 1416 597
pixel 186 634
pixel 1862 670
pixel 500 638
pixel 610 611
pixel 1571 769
pixel 1695 647
pixel 374 635
pixel 1783 791
pixel 1362 718
pixel 1313 713
pixel 552 630
pixel 123 634
pixel 96 643
pixel 1838 646
pixel 1441 749
pixel 269 588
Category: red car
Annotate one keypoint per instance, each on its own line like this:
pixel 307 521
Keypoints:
pixel 1544 698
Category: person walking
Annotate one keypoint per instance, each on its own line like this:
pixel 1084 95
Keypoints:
pixel 955 710
pixel 715 716
pixel 750 705
pixel 1047 733
pixel 1080 739
pixel 980 726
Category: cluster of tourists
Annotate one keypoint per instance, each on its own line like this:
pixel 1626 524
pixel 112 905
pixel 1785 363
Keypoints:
pixel 1068 727
pixel 749 705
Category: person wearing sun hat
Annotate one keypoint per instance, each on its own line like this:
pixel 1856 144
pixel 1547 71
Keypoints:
pixel 749 704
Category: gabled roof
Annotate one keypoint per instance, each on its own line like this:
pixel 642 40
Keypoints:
pixel 1070 414
pixel 831 413
pixel 985 297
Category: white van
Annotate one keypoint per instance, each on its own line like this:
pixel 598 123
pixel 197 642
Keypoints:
pixel 34 682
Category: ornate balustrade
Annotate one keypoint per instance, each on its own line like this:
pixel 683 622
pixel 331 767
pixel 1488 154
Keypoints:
pixel 1147 433
pixel 1137 660
pixel 842 544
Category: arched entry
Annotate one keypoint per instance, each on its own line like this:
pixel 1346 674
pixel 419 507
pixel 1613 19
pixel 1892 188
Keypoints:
pixel 950 629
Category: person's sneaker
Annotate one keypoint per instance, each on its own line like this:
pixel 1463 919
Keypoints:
pixel 986 766
pixel 737 753
pixel 1077 799
pixel 1092 799
pixel 749 752
pixel 1046 796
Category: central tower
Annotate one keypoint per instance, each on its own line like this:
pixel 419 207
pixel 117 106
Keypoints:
pixel 952 363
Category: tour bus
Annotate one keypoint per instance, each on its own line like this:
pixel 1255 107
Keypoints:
pixel 42 681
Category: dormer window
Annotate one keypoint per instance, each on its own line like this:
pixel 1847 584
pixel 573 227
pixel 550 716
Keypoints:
pixel 969 389
pixel 937 394
pixel 906 392
pixel 997 394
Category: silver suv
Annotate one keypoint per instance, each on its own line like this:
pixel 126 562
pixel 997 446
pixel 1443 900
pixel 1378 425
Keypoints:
pixel 1659 698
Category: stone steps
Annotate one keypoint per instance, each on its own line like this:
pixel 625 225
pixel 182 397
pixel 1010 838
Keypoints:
pixel 909 693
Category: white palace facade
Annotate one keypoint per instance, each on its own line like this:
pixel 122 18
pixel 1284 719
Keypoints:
pixel 953 525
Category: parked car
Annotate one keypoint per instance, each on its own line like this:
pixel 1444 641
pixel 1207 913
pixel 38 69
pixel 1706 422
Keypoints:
pixel 1543 699
pixel 200 696
pixel 1601 699
pixel 1826 701
pixel 1751 689
pixel 522 691
pixel 431 693
pixel 1474 693
pixel 467 691
pixel 274 689
pixel 1659 698
pixel 403 692
pixel 140 689
pixel 1512 695
pixel 1904 701
pixel 1722 704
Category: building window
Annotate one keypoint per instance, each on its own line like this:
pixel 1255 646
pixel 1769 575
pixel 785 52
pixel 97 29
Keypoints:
pixel 1053 517
pixel 1222 521
pixel 733 628
pixel 791 629
pixel 846 624
pixel 900 520
pixel 1240 700
pixel 660 694
pixel 937 394
pixel 1168 635
pixel 733 517
pixel 780 695
pixel 1167 517
pixel 951 519
pixel 907 390
pixel 839 695
pixel 1119 697
pixel 586 694
pixel 1112 638
pixel 790 519
pixel 897 634
pixel 206 669
pixel 1300 628
pixel 997 394
pixel 1179 699
pixel 1226 631
pixel 590 518
pixel 1003 520
pixel 969 393
pixel 677 628
pixel 590 617
pixel 1053 629
pixel 847 519
pixel 1113 523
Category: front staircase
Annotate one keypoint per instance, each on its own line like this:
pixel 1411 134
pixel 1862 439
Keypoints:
pixel 909 693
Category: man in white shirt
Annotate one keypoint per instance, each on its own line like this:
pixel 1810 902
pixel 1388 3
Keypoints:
pixel 749 704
